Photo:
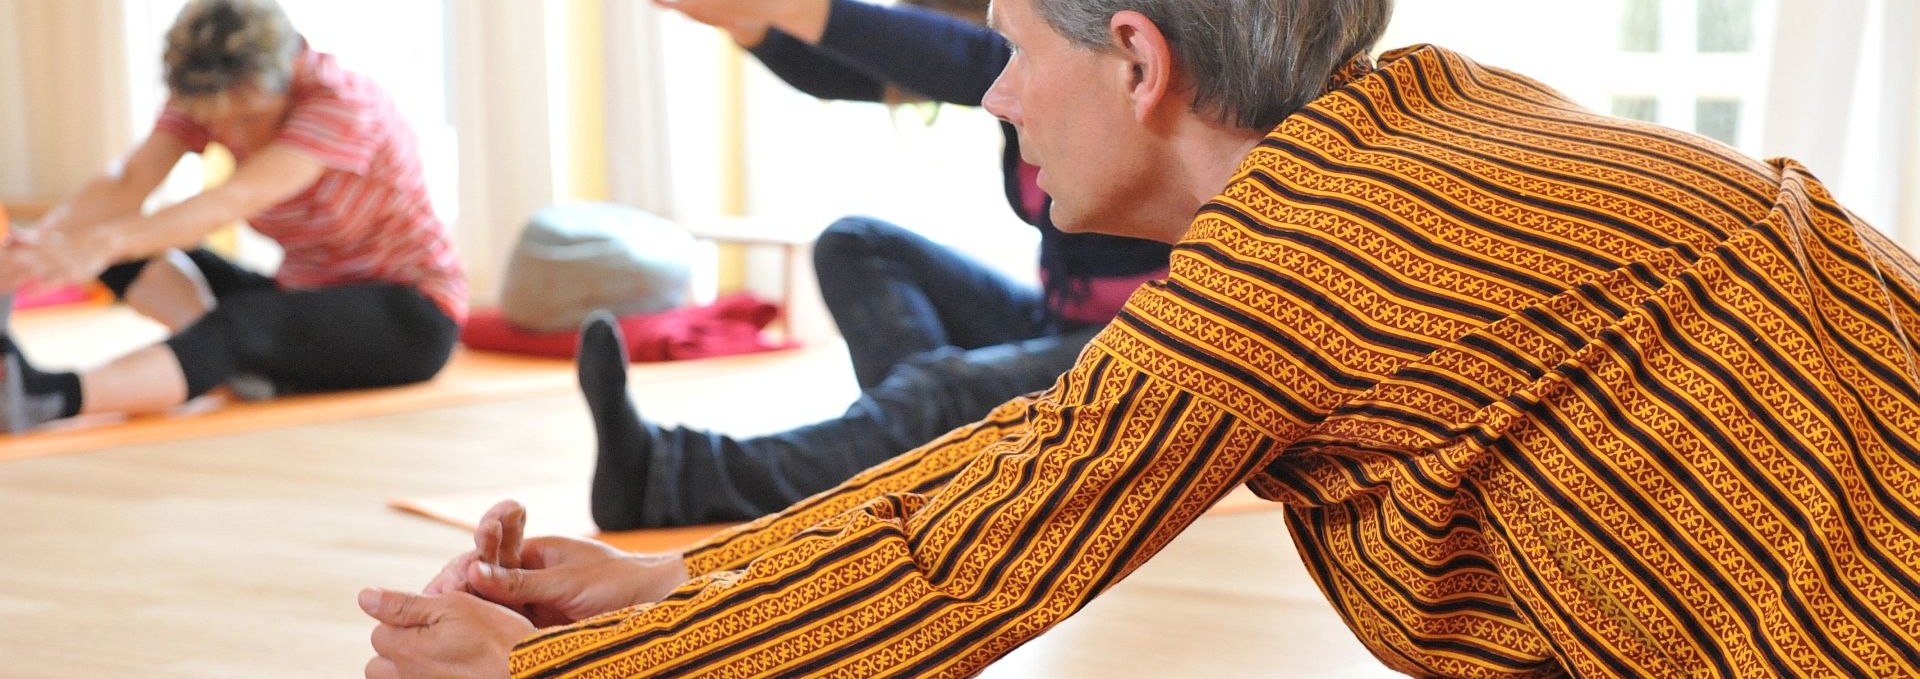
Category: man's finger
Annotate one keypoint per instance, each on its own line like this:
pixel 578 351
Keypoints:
pixel 491 532
pixel 396 608
pixel 513 586
pixel 548 551
pixel 389 641
pixel 452 577
pixel 513 528
pixel 486 540
pixel 382 668
pixel 500 510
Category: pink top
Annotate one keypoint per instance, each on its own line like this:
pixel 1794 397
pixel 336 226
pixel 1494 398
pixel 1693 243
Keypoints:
pixel 367 218
pixel 1105 294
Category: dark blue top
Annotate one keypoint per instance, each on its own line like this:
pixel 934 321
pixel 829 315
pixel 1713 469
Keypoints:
pixel 949 60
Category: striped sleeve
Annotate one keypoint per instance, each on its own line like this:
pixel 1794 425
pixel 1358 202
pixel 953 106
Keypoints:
pixel 921 471
pixel 1085 484
pixel 335 129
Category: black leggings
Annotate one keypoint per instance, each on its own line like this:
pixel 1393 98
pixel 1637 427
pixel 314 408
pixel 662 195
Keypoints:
pixel 323 339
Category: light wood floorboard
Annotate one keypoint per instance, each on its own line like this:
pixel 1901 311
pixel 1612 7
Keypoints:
pixel 239 555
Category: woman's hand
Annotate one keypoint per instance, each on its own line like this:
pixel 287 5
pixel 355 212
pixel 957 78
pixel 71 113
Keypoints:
pixel 55 257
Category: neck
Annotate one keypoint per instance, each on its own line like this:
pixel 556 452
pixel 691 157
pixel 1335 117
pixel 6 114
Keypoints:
pixel 1204 158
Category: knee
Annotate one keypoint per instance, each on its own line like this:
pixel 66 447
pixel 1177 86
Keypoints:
pixel 850 238
pixel 940 365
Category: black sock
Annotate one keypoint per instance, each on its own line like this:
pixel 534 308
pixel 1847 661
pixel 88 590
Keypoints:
pixel 48 396
pixel 625 441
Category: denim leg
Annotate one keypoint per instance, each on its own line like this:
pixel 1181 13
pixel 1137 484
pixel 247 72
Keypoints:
pixel 894 294
pixel 703 477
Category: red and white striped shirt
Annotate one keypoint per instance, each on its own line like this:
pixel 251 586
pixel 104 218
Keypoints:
pixel 367 218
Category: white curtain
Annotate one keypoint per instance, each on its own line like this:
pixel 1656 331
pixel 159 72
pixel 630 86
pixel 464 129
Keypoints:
pixel 1844 98
pixel 64 107
pixel 16 178
pixel 508 109
pixel 501 116
pixel 638 168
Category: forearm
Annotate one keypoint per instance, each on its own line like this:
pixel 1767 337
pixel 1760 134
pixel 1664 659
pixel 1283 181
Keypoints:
pixel 803 19
pixel 117 193
pixel 276 174
pixel 183 225
pixel 815 72
pixel 923 51
pixel 104 198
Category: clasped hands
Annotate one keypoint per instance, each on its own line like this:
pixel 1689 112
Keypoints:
pixel 466 622
pixel 51 255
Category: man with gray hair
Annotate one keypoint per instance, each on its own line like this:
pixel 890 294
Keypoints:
pixel 1544 392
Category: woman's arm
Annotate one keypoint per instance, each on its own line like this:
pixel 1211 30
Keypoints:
pixel 942 57
pixel 76 251
pixel 119 191
pixel 268 178
pixel 814 71
pixel 842 41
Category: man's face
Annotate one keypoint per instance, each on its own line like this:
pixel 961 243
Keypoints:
pixel 1070 107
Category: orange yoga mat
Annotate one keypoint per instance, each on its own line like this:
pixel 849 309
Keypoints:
pixel 561 509
pixel 471 377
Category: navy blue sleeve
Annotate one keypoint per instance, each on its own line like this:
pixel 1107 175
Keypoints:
pixel 923 51
pixel 814 71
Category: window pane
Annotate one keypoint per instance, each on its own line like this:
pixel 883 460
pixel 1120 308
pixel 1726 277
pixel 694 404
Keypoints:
pixel 1636 107
pixel 1726 25
pixel 1717 118
pixel 1640 28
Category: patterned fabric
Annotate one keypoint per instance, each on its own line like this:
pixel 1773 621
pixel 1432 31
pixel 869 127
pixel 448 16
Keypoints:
pixel 1545 392
pixel 367 219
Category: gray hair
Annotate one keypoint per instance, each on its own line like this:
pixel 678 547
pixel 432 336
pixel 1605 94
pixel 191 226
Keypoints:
pixel 217 44
pixel 1253 62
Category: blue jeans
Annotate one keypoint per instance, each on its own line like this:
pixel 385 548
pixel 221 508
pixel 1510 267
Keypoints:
pixel 895 294
pixel 948 341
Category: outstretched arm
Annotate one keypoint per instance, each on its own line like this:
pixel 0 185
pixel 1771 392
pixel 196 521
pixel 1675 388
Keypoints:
pixel 1089 481
pixel 120 190
pixel 846 49
pixel 944 58
pixel 76 251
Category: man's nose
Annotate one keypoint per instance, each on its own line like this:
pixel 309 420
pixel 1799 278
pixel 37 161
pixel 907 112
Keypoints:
pixel 1001 101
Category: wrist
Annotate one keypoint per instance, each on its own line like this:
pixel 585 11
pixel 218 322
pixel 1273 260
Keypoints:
pixel 749 36
pixel 805 20
pixel 107 238
pixel 662 574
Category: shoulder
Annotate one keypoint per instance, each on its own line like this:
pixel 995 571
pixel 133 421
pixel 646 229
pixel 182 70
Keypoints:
pixel 321 80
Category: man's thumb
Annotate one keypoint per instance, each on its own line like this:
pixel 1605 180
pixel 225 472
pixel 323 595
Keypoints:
pixel 512 586
pixel 399 609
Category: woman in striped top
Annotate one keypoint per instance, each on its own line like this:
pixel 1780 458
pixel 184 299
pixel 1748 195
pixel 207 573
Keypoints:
pixel 368 294
pixel 1545 393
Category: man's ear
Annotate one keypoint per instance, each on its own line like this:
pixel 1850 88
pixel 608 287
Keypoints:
pixel 1147 61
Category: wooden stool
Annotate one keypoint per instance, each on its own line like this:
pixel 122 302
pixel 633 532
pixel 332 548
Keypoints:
pixel 749 232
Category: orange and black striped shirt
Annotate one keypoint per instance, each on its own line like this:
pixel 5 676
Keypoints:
pixel 1545 392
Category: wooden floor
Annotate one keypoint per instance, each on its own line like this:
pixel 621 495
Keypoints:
pixel 239 555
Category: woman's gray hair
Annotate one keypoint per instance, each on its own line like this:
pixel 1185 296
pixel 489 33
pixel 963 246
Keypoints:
pixel 1253 62
pixel 217 44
